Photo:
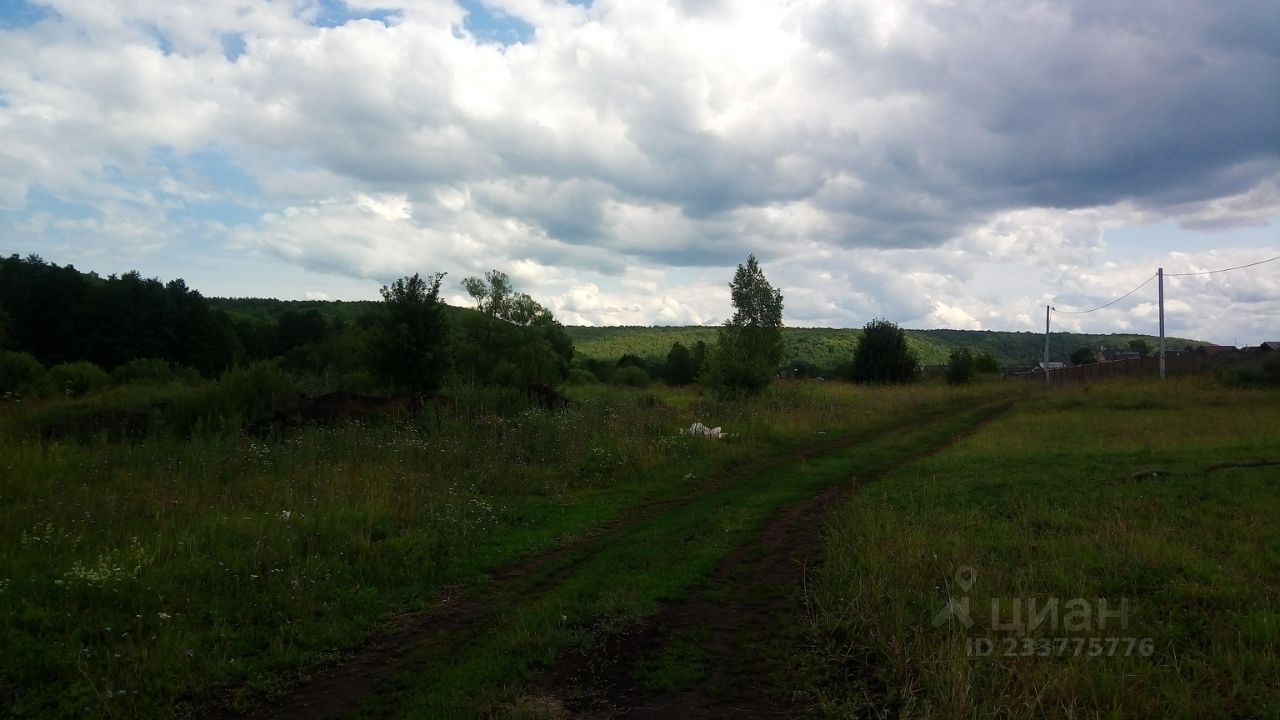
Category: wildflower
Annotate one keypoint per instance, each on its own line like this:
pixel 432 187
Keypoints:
pixel 284 514
pixel 164 616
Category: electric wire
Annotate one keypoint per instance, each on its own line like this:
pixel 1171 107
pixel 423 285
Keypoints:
pixel 1113 302
pixel 1210 272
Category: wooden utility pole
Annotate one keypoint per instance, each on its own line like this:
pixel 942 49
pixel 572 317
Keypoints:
pixel 1046 342
pixel 1160 283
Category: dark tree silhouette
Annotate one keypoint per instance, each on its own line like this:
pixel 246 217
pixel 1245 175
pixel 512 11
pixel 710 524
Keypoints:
pixel 679 369
pixel 411 342
pixel 882 355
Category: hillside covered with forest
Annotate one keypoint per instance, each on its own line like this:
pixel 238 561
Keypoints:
pixel 829 347
pixel 824 348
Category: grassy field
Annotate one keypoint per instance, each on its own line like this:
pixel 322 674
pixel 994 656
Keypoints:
pixel 138 576
pixel 1108 494
pixel 171 576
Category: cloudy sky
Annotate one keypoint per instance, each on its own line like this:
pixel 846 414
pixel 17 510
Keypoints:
pixel 935 162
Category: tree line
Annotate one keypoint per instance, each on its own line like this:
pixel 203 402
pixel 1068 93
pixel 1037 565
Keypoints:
pixel 63 330
pixel 82 327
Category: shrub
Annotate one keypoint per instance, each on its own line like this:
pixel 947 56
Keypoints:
pixel 152 370
pixel 1264 373
pixel 245 394
pixel 961 366
pixel 18 371
pixel 631 377
pixel 582 377
pixel 74 379
pixel 882 355
pixel 679 369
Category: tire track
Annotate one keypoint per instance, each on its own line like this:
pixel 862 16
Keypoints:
pixel 758 583
pixel 338 689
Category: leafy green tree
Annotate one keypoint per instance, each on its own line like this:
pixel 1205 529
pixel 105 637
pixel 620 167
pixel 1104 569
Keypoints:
pixel 961 366
pixel 412 338
pixel 632 360
pixel 18 371
pixel 701 356
pixel 492 293
pixel 631 376
pixel 986 363
pixel 6 328
pixel 749 346
pixel 801 368
pixel 883 356
pixel 512 340
pixel 73 379
pixel 1140 346
pixel 299 328
pixel 1083 356
pixel 679 369
pixel 62 315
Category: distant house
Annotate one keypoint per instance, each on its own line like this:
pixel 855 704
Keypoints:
pixel 1113 354
pixel 1271 346
pixel 1212 349
pixel 1055 365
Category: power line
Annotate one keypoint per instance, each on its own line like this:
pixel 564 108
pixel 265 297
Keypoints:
pixel 1210 272
pixel 1113 302
pixel 1144 282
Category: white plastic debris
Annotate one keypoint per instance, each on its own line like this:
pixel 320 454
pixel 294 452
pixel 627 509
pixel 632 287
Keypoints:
pixel 699 430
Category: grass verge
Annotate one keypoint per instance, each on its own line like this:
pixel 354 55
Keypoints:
pixel 1098 500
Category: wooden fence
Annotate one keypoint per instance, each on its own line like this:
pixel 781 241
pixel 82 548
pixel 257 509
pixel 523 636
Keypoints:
pixel 1182 363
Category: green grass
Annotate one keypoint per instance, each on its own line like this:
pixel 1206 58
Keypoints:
pixel 681 664
pixel 1045 504
pixel 137 577
pixel 659 559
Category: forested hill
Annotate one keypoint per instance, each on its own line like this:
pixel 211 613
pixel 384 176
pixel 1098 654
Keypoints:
pixel 823 347
pixel 57 314
pixel 829 347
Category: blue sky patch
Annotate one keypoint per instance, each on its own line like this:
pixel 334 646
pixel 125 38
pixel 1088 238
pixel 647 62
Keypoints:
pixel 491 25
pixel 335 13
pixel 162 40
pixel 20 13
pixel 232 46
pixel 218 168
pixel 41 200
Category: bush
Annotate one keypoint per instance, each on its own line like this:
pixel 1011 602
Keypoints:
pixel 121 413
pixel 582 377
pixel 631 377
pixel 882 355
pixel 961 366
pixel 152 370
pixel 18 371
pixel 245 394
pixel 1265 373
pixel 74 379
